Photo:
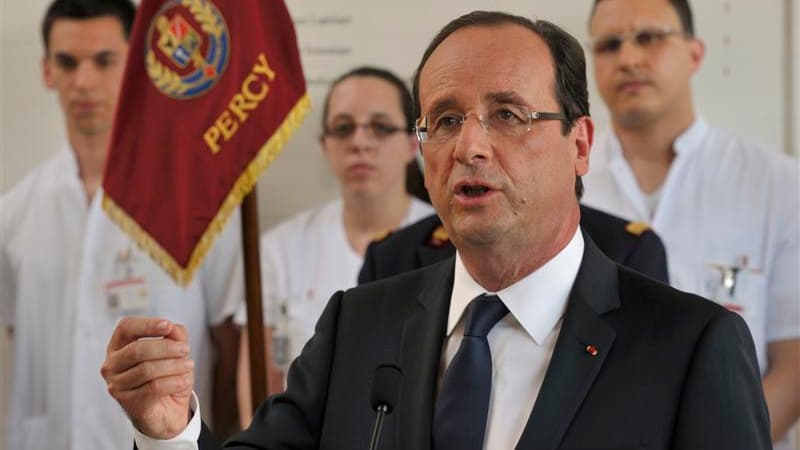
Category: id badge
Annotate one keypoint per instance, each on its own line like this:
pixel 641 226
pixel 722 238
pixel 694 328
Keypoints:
pixel 127 293
pixel 127 297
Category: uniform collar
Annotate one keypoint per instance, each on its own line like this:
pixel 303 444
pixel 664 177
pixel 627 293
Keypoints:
pixel 537 301
pixel 65 170
pixel 689 140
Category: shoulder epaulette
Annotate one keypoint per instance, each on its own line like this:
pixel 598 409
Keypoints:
pixel 382 236
pixel 636 228
pixel 439 237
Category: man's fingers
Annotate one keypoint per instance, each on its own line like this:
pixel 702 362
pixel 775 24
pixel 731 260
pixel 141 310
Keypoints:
pixel 143 350
pixel 178 333
pixel 130 329
pixel 148 371
pixel 175 385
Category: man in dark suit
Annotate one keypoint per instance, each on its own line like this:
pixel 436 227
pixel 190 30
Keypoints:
pixel 529 337
pixel 631 244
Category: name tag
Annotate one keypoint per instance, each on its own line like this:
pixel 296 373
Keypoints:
pixel 126 290
pixel 128 297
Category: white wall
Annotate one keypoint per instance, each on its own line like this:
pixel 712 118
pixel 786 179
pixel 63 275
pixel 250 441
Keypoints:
pixel 793 84
pixel 742 86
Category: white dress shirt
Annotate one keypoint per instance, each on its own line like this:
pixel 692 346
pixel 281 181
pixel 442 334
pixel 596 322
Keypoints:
pixel 522 344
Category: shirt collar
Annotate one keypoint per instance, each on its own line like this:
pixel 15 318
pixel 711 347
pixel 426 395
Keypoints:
pixel 65 169
pixel 690 139
pixel 537 301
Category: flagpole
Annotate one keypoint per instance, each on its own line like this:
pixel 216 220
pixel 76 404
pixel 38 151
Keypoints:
pixel 252 277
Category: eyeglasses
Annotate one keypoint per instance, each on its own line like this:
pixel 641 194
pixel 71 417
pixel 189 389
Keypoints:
pixel 503 121
pixel 644 38
pixel 377 130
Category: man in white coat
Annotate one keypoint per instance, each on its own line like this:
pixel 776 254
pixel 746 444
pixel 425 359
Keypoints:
pixel 726 210
pixel 68 274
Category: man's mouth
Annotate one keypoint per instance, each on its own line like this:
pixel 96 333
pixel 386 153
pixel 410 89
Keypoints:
pixel 470 189
pixel 473 190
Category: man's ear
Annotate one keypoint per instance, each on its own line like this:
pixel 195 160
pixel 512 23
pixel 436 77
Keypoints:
pixel 47 73
pixel 697 52
pixel 582 135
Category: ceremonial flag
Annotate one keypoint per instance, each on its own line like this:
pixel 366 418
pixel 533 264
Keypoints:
pixel 212 91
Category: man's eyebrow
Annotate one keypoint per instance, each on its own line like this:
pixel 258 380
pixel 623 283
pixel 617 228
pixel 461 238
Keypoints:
pixel 441 105
pixel 505 97
pixel 66 61
pixel 63 55
pixel 105 54
pixel 99 56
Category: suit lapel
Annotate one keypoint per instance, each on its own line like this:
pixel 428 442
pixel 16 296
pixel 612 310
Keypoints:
pixel 420 351
pixel 573 368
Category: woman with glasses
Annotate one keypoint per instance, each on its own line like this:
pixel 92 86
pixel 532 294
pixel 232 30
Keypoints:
pixel 368 142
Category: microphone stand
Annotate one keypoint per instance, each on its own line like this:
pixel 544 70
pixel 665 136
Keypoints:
pixel 382 409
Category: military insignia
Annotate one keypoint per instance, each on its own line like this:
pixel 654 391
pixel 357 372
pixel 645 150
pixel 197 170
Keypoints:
pixel 439 237
pixel 381 236
pixel 636 228
pixel 187 48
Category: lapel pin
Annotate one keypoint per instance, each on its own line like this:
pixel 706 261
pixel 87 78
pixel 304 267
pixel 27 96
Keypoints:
pixel 591 349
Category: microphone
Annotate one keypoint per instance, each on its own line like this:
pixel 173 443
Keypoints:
pixel 383 397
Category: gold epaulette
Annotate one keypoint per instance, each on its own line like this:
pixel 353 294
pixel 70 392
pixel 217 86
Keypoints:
pixel 381 236
pixel 637 228
pixel 439 237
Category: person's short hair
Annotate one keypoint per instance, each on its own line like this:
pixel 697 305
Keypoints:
pixel 122 10
pixel 568 60
pixel 681 7
pixel 414 178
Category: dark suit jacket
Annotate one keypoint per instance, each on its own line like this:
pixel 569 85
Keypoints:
pixel 410 248
pixel 673 371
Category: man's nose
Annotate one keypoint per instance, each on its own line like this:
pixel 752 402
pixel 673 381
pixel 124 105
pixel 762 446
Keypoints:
pixel 85 75
pixel 473 145
pixel 630 54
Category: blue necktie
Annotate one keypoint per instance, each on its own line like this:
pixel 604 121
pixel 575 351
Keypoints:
pixel 459 421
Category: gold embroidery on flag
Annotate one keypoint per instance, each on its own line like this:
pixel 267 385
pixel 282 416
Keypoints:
pixel 179 44
pixel 226 125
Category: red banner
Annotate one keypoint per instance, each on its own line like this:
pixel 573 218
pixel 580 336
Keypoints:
pixel 212 91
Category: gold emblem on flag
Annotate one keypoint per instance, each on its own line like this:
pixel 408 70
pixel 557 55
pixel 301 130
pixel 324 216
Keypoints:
pixel 187 48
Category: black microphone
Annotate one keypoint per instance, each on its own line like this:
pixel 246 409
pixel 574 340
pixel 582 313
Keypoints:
pixel 385 390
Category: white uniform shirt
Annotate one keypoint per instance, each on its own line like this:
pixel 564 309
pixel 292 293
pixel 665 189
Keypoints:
pixel 42 227
pixel 724 205
pixel 65 313
pixel 307 258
